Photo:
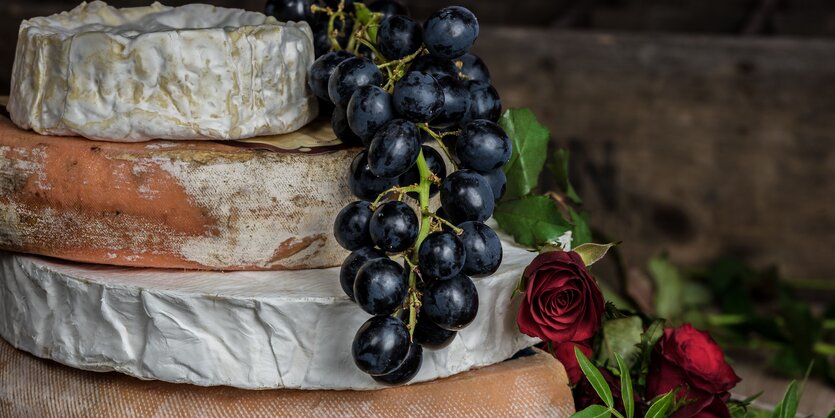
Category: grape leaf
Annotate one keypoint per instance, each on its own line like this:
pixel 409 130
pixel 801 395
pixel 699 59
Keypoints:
pixel 593 411
pixel 595 378
pixel 531 220
pixel 530 148
pixel 558 166
pixel 581 232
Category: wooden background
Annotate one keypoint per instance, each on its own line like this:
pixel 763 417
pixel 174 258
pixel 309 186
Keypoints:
pixel 696 127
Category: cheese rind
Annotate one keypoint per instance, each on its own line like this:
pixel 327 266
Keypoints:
pixel 253 330
pixel 174 204
pixel 190 72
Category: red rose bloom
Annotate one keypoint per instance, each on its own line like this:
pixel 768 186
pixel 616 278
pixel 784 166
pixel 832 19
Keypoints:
pixel 564 352
pixel 562 301
pixel 690 360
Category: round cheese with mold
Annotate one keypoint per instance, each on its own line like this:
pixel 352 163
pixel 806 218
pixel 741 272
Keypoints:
pixel 190 72
pixel 235 205
pixel 253 330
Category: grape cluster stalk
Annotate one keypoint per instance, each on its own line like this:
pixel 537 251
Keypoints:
pixel 395 86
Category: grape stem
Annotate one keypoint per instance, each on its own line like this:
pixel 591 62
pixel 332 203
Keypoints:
pixel 439 139
pixel 400 191
pixel 457 230
pixel 425 224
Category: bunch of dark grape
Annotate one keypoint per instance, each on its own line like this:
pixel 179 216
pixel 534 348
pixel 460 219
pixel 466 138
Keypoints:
pixel 397 88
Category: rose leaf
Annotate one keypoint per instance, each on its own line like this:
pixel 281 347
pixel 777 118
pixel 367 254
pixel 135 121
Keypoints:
pixel 787 408
pixel 626 387
pixel 530 149
pixel 669 286
pixel 531 220
pixel 593 411
pixel 595 378
pixel 591 252
pixel 622 337
pixel 581 231
pixel 659 407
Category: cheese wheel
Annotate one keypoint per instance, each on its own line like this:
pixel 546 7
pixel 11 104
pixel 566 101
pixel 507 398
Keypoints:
pixel 175 204
pixel 252 330
pixel 134 74
pixel 533 386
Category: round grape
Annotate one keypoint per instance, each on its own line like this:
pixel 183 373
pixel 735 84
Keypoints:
pixel 431 336
pixel 441 255
pixel 484 102
pixel 380 345
pixel 349 75
pixel 369 109
pixel 363 183
pixel 451 304
pixel 471 67
pixel 399 36
pixel 381 286
pixel 434 66
pixel 466 196
pixel 352 264
pixel 394 149
pixel 498 182
pixel 418 97
pixel 394 227
pixel 483 146
pixel 321 70
pixel 483 249
pixel 351 226
pixel 407 370
pixel 456 102
pixel 290 10
pixel 450 32
pixel 339 123
pixel 388 8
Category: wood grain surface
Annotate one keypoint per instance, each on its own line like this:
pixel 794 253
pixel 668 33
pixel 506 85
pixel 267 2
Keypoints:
pixel 529 386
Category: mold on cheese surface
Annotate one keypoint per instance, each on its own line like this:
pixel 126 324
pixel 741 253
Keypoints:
pixel 190 72
pixel 175 204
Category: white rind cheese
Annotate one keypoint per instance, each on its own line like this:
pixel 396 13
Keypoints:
pixel 191 72
pixel 253 330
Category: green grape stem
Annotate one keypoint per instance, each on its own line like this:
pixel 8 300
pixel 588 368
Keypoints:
pixel 425 224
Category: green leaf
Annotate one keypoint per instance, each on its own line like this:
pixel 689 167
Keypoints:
pixel 558 166
pixel 668 288
pixel 581 233
pixel 648 339
pixel 530 149
pixel 626 387
pixel 591 252
pixel 622 337
pixel 593 411
pixel 595 378
pixel 661 405
pixel 787 408
pixel 532 220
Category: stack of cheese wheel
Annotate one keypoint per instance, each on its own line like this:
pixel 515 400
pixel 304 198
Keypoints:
pixel 171 215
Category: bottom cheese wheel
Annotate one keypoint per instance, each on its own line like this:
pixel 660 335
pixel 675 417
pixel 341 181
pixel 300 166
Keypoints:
pixel 263 204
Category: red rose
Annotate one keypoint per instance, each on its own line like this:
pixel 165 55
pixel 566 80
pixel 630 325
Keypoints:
pixel 564 352
pixel 690 360
pixel 562 301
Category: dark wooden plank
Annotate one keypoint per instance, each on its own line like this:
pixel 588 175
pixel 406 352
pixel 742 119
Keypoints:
pixel 700 146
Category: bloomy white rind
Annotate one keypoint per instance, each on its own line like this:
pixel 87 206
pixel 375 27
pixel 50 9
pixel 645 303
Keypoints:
pixel 191 72
pixel 253 330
